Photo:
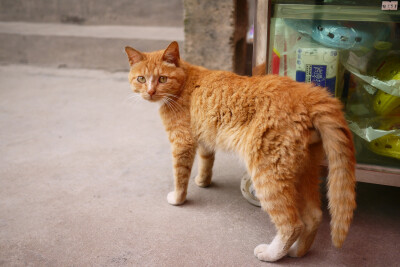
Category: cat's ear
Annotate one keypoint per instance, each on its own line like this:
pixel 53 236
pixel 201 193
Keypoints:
pixel 134 56
pixel 171 54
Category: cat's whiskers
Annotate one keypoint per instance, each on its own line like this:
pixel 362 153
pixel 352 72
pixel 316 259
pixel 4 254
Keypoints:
pixel 172 101
pixel 166 101
pixel 171 105
pixel 168 94
pixel 177 107
pixel 133 97
pixel 165 96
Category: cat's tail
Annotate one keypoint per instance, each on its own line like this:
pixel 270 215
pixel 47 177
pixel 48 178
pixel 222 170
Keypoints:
pixel 328 119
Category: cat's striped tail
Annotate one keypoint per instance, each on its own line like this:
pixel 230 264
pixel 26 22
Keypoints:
pixel 328 119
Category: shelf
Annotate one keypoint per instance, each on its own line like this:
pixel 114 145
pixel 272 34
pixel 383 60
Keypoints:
pixel 373 174
pixel 334 12
pixel 378 175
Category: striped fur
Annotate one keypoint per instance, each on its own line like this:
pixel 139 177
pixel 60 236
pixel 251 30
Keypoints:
pixel 279 127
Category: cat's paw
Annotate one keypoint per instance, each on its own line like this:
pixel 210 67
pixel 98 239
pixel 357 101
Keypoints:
pixel 266 252
pixel 202 182
pixel 175 199
pixel 260 250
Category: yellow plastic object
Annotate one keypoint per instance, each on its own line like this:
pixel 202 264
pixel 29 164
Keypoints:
pixel 384 103
pixel 389 69
pixel 388 145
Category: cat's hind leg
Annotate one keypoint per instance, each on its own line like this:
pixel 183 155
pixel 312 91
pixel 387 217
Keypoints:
pixel 309 202
pixel 311 217
pixel 278 195
pixel 206 162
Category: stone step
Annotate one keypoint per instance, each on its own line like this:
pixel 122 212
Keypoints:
pixel 103 12
pixel 80 46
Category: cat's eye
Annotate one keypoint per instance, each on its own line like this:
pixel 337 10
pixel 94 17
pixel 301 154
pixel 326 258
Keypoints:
pixel 141 79
pixel 162 79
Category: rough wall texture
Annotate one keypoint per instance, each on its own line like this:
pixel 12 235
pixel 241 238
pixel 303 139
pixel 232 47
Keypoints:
pixel 215 33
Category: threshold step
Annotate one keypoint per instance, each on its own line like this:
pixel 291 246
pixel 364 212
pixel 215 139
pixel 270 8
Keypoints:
pixel 80 46
pixel 94 31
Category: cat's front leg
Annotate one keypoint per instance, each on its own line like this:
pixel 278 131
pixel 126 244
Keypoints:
pixel 183 155
pixel 206 162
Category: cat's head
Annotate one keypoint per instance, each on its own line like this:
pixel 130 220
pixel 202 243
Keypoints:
pixel 156 75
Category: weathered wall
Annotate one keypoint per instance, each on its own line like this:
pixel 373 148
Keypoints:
pixel 215 33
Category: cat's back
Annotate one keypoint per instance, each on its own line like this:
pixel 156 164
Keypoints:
pixel 227 109
pixel 226 90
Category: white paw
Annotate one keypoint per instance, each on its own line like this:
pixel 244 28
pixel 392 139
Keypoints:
pixel 271 252
pixel 260 249
pixel 263 253
pixel 173 199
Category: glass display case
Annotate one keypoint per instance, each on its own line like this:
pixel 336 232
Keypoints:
pixel 353 49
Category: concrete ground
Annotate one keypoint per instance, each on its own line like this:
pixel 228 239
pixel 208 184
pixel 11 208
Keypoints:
pixel 84 175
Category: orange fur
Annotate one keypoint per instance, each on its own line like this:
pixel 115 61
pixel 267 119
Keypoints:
pixel 271 122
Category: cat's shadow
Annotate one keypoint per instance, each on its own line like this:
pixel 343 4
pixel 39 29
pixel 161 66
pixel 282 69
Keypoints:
pixel 218 194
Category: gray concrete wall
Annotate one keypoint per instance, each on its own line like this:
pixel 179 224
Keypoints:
pixel 215 33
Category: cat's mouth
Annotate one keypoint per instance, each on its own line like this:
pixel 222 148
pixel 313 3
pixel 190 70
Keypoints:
pixel 152 98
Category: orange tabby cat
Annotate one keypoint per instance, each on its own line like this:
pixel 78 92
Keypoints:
pixel 270 121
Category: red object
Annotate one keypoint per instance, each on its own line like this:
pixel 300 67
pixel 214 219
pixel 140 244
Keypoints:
pixel 276 60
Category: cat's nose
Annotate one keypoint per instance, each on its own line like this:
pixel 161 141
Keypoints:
pixel 151 92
